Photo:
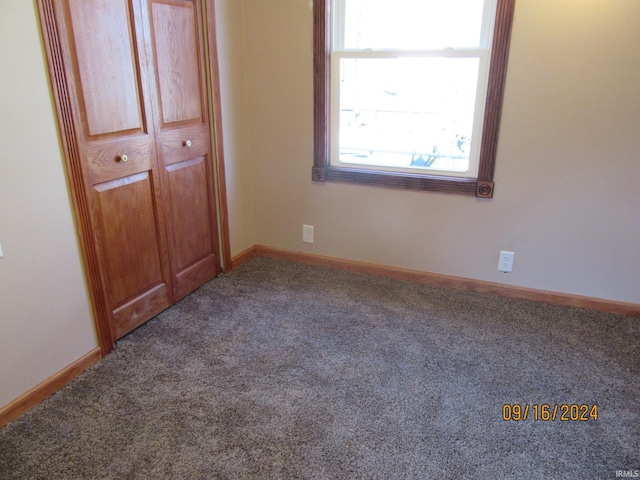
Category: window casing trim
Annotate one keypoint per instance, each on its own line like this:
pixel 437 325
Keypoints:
pixel 482 186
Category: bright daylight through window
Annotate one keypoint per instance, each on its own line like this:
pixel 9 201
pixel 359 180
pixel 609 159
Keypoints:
pixel 401 91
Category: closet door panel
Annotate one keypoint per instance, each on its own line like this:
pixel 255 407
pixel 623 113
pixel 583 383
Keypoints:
pixel 190 214
pixel 109 75
pixel 179 74
pixel 184 142
pixel 104 158
pixel 109 90
pixel 180 144
pixel 191 231
pixel 130 237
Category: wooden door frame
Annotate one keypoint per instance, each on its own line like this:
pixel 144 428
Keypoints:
pixel 70 151
pixel 215 108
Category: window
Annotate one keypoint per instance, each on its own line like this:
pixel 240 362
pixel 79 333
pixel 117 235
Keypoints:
pixel 408 93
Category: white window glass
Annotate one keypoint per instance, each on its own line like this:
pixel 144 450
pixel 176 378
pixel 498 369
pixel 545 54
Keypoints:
pixel 409 84
pixel 412 24
pixel 396 112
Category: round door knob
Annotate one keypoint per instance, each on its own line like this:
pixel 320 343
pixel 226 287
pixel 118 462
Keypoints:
pixel 187 143
pixel 124 158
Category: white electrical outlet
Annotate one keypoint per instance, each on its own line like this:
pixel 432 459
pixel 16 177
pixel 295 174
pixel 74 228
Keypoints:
pixel 1 255
pixel 505 263
pixel 307 233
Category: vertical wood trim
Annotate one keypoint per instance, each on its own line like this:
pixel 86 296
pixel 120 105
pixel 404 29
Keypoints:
pixel 67 129
pixel 216 124
pixel 495 91
pixel 321 66
pixel 47 388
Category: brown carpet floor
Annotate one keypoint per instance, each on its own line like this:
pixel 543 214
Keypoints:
pixel 279 370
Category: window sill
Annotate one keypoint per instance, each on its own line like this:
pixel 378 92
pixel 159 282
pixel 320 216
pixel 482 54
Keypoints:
pixel 464 186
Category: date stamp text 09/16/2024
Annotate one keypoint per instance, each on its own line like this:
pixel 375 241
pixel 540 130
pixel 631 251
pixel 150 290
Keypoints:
pixel 566 412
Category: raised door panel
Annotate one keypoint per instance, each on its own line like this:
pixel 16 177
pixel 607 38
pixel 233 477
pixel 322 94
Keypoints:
pixel 130 238
pixel 129 229
pixel 178 60
pixel 107 65
pixel 191 227
pixel 183 142
pixel 109 77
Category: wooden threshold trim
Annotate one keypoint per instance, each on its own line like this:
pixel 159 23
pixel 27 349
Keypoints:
pixel 243 257
pixel 48 387
pixel 479 286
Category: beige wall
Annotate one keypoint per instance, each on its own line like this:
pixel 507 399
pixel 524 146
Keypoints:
pixel 45 321
pixel 236 129
pixel 568 169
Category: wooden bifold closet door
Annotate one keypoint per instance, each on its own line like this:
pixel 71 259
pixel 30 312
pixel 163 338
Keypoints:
pixel 131 90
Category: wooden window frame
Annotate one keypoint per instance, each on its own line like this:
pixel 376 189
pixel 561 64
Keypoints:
pixel 482 186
